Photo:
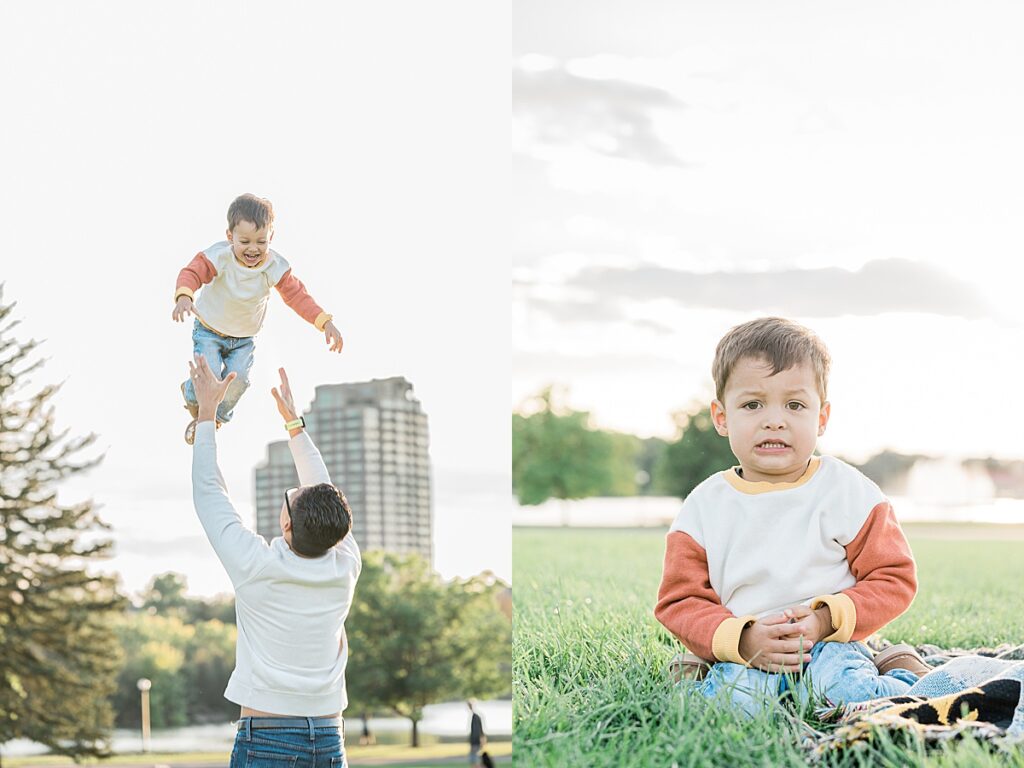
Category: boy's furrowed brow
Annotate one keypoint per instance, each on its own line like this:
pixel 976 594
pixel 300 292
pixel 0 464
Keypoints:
pixel 761 393
pixel 750 393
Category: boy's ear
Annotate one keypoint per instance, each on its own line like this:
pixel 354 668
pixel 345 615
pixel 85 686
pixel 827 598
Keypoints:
pixel 718 417
pixel 230 239
pixel 823 414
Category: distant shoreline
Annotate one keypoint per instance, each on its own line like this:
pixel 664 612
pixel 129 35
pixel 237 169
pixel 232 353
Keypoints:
pixel 916 529
pixel 973 531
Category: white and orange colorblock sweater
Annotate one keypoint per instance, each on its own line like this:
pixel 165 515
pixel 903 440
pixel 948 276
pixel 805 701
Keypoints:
pixel 234 297
pixel 740 550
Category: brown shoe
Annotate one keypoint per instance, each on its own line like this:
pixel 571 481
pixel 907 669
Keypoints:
pixel 190 432
pixel 687 666
pixel 901 656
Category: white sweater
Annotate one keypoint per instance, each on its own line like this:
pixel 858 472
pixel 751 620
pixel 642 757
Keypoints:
pixel 291 652
pixel 236 302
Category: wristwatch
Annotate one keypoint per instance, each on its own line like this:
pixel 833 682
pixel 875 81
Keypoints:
pixel 299 422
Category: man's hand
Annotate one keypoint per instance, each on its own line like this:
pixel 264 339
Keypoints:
pixel 285 404
pixel 814 625
pixel 767 645
pixel 181 308
pixel 333 336
pixel 209 389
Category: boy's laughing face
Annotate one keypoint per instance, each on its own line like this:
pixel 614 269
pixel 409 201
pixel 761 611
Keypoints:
pixel 249 244
pixel 772 422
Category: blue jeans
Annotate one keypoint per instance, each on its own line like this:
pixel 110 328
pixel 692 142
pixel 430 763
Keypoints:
pixel 225 354
pixel 300 747
pixel 839 672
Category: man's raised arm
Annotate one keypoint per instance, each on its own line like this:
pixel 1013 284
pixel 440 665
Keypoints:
pixel 308 462
pixel 238 548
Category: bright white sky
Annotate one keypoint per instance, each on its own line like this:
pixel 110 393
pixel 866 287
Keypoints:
pixel 128 129
pixel 682 167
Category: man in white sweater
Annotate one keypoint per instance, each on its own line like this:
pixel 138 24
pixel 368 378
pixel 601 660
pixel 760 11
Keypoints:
pixel 291 596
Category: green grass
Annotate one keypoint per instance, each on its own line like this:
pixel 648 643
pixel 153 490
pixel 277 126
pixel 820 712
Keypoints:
pixel 393 755
pixel 589 658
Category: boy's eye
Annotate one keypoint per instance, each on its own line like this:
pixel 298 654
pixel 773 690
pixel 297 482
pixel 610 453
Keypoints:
pixel 795 406
pixel 752 405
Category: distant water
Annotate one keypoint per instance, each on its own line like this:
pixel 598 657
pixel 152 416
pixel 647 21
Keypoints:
pixel 660 511
pixel 446 720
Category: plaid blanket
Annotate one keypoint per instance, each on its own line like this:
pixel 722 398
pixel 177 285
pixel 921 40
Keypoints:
pixel 978 691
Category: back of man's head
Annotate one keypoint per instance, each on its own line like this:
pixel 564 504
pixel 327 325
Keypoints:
pixel 320 519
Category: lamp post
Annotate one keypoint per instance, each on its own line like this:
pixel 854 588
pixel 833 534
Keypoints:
pixel 144 686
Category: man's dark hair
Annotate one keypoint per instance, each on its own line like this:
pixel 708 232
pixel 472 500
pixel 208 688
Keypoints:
pixel 248 207
pixel 321 518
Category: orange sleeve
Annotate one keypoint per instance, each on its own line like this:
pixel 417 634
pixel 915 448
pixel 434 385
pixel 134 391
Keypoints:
pixel 196 274
pixel 884 568
pixel 687 605
pixel 297 297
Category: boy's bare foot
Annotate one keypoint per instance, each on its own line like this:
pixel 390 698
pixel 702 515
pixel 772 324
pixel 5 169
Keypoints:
pixel 901 656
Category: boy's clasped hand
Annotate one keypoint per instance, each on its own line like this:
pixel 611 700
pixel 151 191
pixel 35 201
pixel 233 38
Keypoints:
pixel 782 642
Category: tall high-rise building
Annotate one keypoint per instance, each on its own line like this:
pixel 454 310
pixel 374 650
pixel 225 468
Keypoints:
pixel 373 437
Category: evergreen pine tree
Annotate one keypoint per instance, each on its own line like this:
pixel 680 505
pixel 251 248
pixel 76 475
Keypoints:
pixel 58 654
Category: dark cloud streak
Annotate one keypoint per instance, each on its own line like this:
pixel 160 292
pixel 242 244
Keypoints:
pixel 890 285
pixel 567 110
pixel 591 312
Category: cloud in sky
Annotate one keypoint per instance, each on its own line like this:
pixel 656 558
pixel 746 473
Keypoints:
pixel 591 312
pixel 561 367
pixel 889 285
pixel 610 117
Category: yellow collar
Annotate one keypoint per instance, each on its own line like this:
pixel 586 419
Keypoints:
pixel 763 486
pixel 243 265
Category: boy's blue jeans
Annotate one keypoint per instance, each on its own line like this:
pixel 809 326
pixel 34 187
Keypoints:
pixel 841 672
pixel 302 746
pixel 224 354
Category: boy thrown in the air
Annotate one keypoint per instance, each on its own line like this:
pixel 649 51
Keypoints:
pixel 236 276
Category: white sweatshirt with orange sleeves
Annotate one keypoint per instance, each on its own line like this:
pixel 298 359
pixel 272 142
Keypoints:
pixel 740 550
pixel 233 300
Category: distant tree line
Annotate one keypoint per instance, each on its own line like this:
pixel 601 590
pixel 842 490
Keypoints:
pixel 185 647
pixel 558 453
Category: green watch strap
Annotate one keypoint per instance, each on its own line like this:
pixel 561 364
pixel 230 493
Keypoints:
pixel 299 422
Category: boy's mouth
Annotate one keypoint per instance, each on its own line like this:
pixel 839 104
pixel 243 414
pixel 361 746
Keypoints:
pixel 771 445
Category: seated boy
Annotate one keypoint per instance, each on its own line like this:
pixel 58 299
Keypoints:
pixel 781 564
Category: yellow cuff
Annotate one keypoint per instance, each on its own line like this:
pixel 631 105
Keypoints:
pixel 844 616
pixel 725 644
pixel 183 291
pixel 321 320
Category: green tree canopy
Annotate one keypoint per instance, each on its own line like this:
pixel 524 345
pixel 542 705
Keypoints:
pixel 58 654
pixel 416 640
pixel 557 454
pixel 166 596
pixel 166 593
pixel 697 453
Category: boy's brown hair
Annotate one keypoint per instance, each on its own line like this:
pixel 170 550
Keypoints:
pixel 248 207
pixel 777 341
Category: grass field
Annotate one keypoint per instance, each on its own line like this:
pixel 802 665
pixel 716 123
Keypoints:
pixel 392 755
pixel 589 657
